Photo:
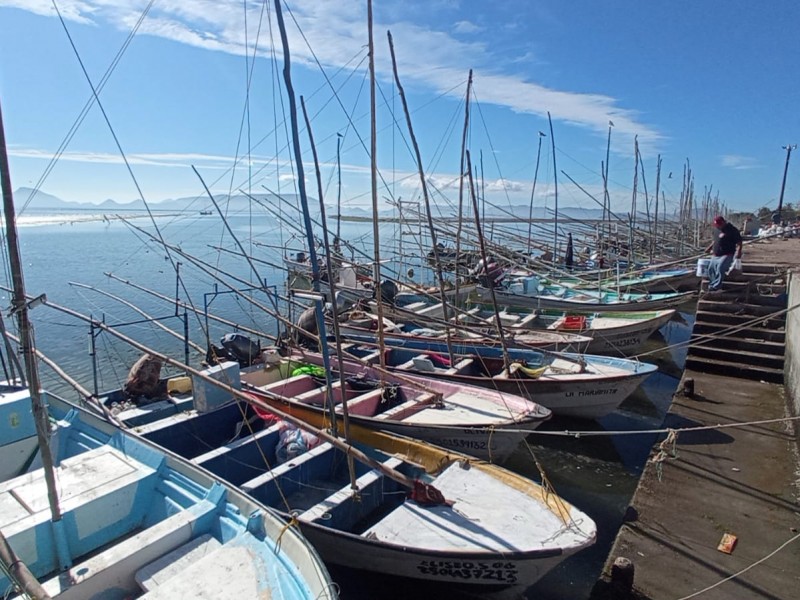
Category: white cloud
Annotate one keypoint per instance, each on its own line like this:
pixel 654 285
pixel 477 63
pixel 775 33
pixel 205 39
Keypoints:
pixel 337 32
pixel 735 161
pixel 466 27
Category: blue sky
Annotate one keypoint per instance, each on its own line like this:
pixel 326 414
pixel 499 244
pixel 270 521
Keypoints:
pixel 713 81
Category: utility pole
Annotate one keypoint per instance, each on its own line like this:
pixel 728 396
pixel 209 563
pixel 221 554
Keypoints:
pixel 788 148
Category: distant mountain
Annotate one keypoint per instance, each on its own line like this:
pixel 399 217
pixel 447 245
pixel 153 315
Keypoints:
pixel 39 201
pixel 240 203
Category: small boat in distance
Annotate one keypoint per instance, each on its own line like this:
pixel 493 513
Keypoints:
pixel 206 212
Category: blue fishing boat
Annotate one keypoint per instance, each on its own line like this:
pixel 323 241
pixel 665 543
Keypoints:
pixel 138 521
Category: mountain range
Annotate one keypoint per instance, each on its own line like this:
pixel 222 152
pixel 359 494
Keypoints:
pixel 38 201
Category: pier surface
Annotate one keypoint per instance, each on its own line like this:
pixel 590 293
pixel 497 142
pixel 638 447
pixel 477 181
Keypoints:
pixel 742 481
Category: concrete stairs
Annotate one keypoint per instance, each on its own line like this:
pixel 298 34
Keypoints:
pixel 740 330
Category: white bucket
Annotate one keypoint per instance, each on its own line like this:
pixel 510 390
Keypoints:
pixel 702 267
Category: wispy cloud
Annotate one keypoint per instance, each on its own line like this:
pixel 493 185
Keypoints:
pixel 466 27
pixel 336 31
pixel 736 161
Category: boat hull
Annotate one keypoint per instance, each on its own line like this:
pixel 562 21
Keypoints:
pixel 504 297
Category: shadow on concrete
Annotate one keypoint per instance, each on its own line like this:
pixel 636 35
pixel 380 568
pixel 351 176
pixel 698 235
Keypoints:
pixel 688 438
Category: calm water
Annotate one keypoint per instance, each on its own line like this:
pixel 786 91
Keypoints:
pixel 597 474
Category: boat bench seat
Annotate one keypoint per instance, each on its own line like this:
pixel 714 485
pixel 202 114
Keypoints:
pixel 267 486
pixel 372 357
pixel 401 411
pixel 415 306
pixel 468 314
pixel 319 395
pixel 152 575
pixel 103 572
pixel 409 407
pixel 234 462
pixel 341 510
pixel 460 366
pixel 365 405
pixel 292 386
pixel 525 321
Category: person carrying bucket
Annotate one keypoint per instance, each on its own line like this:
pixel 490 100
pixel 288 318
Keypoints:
pixel 725 246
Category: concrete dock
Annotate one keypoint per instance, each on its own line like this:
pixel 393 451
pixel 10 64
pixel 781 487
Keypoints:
pixel 744 481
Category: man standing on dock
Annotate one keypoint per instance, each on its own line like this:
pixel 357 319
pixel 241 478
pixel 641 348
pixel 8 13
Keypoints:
pixel 727 244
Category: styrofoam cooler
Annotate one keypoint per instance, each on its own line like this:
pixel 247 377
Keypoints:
pixel 702 267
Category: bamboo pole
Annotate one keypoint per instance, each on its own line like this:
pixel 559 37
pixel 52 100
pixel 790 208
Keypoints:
pixel 426 199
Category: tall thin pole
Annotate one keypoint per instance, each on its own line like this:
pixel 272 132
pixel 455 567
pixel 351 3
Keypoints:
pixel 19 305
pixel 374 184
pixel 301 186
pixel 555 190
pixel 533 190
pixel 788 148
pixel 339 189
pixel 431 228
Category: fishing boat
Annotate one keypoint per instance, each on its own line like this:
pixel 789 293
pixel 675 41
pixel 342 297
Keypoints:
pixel 575 385
pixel 138 521
pixel 615 333
pixel 641 280
pixel 92 512
pixel 485 423
pixel 422 331
pixel 462 522
pixel 528 292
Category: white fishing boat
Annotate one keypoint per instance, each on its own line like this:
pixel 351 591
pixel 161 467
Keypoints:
pixel 485 423
pixel 609 332
pixel 575 385
pixel 528 292
pixel 463 522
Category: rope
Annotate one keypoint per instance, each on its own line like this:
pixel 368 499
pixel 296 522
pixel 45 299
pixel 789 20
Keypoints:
pixel 292 522
pixel 580 434
pixel 666 449
pixel 735 575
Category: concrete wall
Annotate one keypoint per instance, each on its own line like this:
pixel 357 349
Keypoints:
pixel 792 363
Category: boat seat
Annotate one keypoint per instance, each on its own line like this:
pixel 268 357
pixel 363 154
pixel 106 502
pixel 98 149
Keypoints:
pixel 157 573
pixel 233 572
pixel 102 571
pixel 341 510
pixel 460 366
pixel 401 411
pixel 291 386
pixel 372 357
pixel 415 306
pixel 365 405
pixel 264 487
pixel 319 395
pixel 235 462
pixel 526 320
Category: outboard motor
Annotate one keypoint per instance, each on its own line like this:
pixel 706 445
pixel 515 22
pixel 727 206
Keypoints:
pixel 388 291
pixel 241 348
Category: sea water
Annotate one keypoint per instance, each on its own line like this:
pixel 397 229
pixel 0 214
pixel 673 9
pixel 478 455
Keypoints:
pixel 597 473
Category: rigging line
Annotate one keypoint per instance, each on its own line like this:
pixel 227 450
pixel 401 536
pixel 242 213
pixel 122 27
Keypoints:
pixel 116 140
pixel 747 568
pixel 491 147
pixel 385 184
pixel 85 110
pixel 249 69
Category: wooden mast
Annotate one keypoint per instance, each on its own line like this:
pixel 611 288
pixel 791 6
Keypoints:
pixel 374 186
pixel 437 261
pixel 20 307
